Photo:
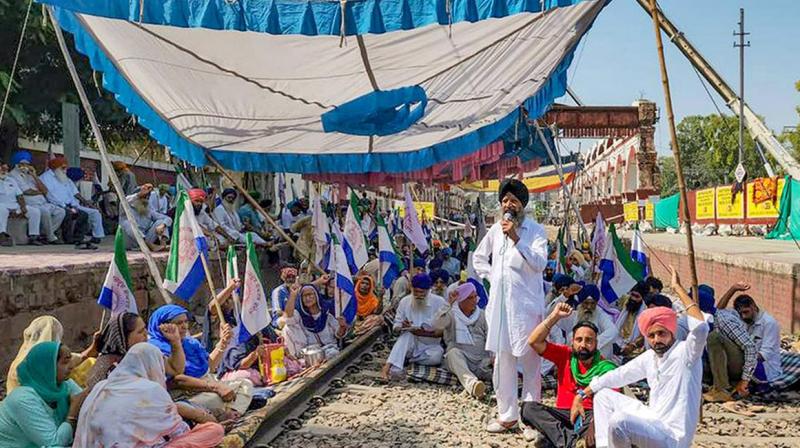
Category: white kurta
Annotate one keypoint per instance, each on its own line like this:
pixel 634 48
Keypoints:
pixel 675 381
pixel 516 299
pixel 418 349
pixel 62 194
pixel 158 203
pixel 767 335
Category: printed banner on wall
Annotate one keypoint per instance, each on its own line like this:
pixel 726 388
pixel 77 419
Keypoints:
pixel 649 209
pixel 424 210
pixel 704 204
pixel 766 209
pixel 726 209
pixel 631 211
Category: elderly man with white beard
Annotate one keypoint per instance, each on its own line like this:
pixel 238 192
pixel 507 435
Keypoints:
pixel 24 174
pixel 153 225
pixel 227 215
pixel 513 255
pixel 464 327
pixel 62 192
pixel 419 342
pixel 588 311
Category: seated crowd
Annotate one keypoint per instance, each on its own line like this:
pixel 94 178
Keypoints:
pixel 53 203
pixel 175 388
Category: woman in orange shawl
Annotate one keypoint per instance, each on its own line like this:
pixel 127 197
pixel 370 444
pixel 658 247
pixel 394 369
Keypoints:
pixel 369 306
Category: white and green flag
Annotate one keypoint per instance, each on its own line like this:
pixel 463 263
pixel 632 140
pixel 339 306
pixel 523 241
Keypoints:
pixel 255 312
pixel 117 292
pixel 619 272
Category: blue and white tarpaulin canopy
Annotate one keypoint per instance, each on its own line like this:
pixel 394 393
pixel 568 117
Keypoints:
pixel 266 85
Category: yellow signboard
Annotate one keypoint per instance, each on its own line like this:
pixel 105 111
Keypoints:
pixel 424 210
pixel 766 209
pixel 649 211
pixel 631 211
pixel 726 209
pixel 704 204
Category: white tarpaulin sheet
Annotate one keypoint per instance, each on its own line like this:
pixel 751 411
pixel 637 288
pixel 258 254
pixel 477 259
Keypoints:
pixel 251 93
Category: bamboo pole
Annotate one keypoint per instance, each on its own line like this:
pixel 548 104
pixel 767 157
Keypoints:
pixel 258 208
pixel 213 290
pixel 675 150
pixel 101 146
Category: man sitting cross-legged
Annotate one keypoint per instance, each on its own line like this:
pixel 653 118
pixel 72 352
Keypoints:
pixel 419 342
pixel 464 326
pixel 674 372
pixel 576 367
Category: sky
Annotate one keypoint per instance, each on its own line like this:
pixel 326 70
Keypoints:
pixel 616 63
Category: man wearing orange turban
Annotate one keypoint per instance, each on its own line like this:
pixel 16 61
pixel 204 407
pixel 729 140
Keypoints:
pixel 673 370
pixel 63 192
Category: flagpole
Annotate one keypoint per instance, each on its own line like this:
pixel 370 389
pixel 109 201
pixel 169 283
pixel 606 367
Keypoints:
pixel 102 318
pixel 212 288
pixel 674 143
pixel 258 208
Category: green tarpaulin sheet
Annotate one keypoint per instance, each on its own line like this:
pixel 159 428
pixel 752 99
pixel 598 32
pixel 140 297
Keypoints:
pixel 788 225
pixel 666 212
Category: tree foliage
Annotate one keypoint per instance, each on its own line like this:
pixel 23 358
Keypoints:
pixel 709 148
pixel 42 83
pixel 791 136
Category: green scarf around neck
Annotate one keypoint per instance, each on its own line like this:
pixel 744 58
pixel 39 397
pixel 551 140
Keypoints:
pixel 38 371
pixel 599 367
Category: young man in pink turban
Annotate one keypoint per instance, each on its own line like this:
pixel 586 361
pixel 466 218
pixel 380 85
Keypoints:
pixel 673 370
pixel 464 327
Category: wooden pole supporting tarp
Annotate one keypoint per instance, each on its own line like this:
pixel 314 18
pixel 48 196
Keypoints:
pixel 101 146
pixel 675 150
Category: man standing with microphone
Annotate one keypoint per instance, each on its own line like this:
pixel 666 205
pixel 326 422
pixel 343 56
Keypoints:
pixel 517 247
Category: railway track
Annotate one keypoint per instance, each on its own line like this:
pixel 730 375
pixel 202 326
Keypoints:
pixel 308 393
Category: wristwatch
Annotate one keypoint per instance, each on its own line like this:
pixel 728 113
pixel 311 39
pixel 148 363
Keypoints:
pixel 581 394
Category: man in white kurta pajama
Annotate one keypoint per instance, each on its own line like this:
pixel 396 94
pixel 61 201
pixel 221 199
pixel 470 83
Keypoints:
pixel 673 370
pixel 419 342
pixel 518 251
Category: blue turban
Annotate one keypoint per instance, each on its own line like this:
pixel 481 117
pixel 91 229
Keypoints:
pixel 447 252
pixel 562 281
pixel 75 174
pixel 589 291
pixel 419 262
pixel 551 264
pixel 21 156
pixel 706 301
pixel 435 264
pixel 422 281
pixel 483 298
pixel 228 191
pixel 440 274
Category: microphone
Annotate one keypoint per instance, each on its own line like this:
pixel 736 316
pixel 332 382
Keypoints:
pixel 508 216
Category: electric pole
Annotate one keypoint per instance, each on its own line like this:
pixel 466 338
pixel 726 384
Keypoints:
pixel 740 173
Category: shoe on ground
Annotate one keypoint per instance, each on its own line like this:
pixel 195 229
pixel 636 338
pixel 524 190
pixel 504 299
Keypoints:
pixel 478 389
pixel 5 240
pixel 95 240
pixel 34 241
pixel 530 434
pixel 717 396
pixel 495 427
